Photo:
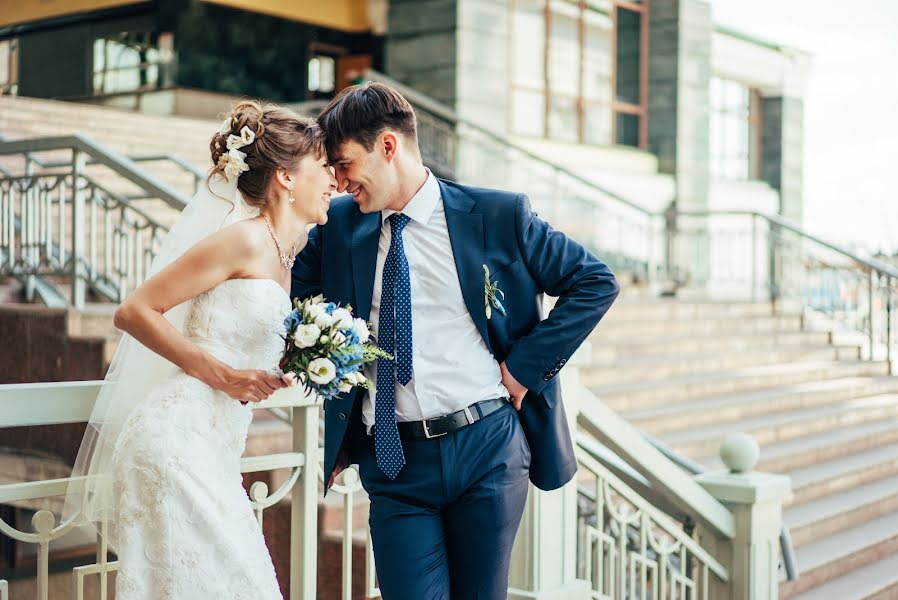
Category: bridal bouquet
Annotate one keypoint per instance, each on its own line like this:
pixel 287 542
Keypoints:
pixel 325 347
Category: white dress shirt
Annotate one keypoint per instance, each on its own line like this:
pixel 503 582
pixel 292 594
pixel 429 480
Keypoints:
pixel 452 366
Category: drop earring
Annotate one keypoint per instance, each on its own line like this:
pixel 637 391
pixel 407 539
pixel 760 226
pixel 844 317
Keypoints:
pixel 292 199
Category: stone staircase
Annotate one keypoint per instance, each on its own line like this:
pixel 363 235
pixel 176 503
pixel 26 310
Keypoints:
pixel 691 372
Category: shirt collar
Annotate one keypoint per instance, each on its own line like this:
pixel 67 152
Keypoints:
pixel 422 204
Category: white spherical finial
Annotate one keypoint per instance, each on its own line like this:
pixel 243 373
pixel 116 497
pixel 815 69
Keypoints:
pixel 740 452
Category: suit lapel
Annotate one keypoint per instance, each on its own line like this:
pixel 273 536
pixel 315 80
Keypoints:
pixel 365 235
pixel 466 237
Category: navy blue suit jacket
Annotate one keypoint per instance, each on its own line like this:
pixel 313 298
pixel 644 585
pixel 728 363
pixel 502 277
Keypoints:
pixel 526 256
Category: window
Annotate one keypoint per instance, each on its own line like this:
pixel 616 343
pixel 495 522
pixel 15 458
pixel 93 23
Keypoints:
pixel 578 70
pixel 735 130
pixel 133 62
pixel 528 94
pixel 322 74
pixel 9 67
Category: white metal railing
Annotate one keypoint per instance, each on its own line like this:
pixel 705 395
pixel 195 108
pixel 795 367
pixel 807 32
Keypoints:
pixel 58 220
pixel 71 402
pixel 630 549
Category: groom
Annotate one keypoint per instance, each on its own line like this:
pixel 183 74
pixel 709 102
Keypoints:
pixel 470 406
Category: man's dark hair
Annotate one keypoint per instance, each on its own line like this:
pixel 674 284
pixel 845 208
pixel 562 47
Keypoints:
pixel 362 112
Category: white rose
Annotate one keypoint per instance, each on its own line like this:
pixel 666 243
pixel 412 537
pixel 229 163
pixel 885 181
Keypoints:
pixel 357 377
pixel 236 157
pixel 235 164
pixel 319 299
pixel 339 338
pixel 342 318
pixel 345 387
pixel 247 135
pixel 324 320
pixel 234 142
pixel 226 125
pixel 231 171
pixel 306 335
pixel 322 371
pixel 360 327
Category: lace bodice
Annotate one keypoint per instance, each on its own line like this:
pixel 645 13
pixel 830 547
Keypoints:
pixel 241 322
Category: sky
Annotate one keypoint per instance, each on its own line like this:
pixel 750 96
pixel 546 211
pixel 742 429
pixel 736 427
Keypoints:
pixel 851 109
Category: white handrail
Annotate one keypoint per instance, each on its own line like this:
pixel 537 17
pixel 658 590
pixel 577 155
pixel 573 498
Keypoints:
pixel 597 419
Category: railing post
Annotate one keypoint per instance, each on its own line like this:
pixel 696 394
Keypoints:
pixel 889 322
pixel 755 500
pixel 670 229
pixel 78 284
pixel 544 558
pixel 871 336
pixel 773 232
pixel 304 509
pixel 650 266
pixel 754 257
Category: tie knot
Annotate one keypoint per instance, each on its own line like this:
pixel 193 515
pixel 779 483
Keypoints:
pixel 398 221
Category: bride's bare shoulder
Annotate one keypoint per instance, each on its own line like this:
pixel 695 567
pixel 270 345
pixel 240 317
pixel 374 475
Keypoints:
pixel 246 238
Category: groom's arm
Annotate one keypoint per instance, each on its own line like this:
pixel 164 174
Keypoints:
pixel 306 274
pixel 585 288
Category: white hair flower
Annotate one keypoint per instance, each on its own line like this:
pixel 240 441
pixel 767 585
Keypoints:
pixel 247 135
pixel 226 125
pixel 234 142
pixel 232 163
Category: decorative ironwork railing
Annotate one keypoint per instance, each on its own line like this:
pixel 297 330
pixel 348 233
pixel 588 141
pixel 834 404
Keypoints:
pixel 630 549
pixel 56 220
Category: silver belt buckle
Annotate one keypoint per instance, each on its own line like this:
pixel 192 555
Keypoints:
pixel 427 433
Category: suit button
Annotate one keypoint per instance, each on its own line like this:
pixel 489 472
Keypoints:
pixel 342 416
pixel 563 360
pixel 547 377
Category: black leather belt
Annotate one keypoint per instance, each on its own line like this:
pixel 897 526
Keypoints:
pixel 440 426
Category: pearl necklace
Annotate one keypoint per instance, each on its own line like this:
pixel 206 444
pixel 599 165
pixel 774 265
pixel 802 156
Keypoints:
pixel 286 259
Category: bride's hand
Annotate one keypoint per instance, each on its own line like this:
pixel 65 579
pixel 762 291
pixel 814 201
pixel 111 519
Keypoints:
pixel 250 385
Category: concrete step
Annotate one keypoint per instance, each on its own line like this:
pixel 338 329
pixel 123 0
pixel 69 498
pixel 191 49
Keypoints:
pixel 640 395
pixel 841 554
pixel 735 407
pixel 703 326
pixel 815 520
pixel 665 367
pixel 851 471
pixel 809 450
pixel 615 349
pixel 767 429
pixel 875 581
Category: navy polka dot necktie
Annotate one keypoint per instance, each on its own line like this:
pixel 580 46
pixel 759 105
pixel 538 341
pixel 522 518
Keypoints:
pixel 394 335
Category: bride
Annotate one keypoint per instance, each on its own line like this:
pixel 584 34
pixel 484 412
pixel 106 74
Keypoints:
pixel 203 336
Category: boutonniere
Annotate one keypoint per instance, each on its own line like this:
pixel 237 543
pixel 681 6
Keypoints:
pixel 492 295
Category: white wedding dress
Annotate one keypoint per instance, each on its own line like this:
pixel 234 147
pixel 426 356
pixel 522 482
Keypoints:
pixel 186 529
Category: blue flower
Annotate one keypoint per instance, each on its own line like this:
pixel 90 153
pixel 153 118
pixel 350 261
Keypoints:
pixel 293 319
